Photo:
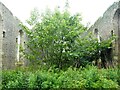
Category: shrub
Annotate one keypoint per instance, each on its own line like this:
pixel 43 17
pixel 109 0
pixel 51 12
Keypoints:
pixel 88 77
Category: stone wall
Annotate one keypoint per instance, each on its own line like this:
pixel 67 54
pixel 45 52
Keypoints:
pixel 1 38
pixel 9 31
pixel 107 25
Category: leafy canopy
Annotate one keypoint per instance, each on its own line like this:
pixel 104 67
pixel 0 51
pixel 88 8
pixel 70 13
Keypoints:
pixel 57 38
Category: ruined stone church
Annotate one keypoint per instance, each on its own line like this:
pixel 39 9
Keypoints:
pixel 11 35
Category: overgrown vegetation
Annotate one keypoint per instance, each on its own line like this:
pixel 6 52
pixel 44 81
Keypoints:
pixel 57 38
pixel 88 77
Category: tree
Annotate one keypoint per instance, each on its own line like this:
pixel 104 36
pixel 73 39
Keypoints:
pixel 57 39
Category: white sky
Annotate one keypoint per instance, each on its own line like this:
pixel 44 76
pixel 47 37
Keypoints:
pixel 90 10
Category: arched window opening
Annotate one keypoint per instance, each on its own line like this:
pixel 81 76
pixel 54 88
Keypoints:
pixel 16 40
pixel 112 33
pixel 21 36
pixel 96 31
pixel 97 34
pixel 3 34
pixel 19 41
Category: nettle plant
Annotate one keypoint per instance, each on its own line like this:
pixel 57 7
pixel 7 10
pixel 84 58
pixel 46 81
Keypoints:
pixel 57 39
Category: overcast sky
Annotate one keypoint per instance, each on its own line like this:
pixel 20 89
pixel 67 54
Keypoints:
pixel 90 10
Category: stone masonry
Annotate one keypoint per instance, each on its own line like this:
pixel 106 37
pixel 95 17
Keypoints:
pixel 108 25
pixel 11 36
pixel 9 32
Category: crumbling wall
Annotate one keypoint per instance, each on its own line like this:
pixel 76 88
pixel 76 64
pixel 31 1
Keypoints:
pixel 107 25
pixel 0 42
pixel 10 32
pixel 0 38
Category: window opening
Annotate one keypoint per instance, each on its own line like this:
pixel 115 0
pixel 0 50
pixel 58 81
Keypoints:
pixel 3 34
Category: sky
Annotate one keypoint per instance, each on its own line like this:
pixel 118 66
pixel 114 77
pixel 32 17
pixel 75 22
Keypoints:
pixel 90 10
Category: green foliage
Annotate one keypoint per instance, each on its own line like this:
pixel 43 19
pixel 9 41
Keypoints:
pixel 58 39
pixel 87 77
pixel 34 17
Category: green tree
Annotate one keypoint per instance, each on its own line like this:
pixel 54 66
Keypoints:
pixel 57 39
